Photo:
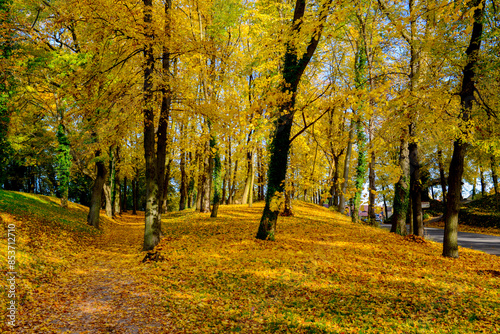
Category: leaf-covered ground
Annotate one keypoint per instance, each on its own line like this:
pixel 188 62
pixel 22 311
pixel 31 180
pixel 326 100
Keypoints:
pixel 322 275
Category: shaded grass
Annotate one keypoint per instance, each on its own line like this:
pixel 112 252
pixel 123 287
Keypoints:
pixel 47 237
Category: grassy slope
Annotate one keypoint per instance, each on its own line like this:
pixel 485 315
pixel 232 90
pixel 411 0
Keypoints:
pixel 322 275
pixel 46 239
pixel 478 216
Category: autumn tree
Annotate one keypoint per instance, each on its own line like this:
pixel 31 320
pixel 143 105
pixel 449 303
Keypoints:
pixel 467 98
pixel 293 68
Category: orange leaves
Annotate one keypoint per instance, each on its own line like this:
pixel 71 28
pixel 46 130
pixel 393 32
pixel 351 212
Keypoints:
pixel 322 274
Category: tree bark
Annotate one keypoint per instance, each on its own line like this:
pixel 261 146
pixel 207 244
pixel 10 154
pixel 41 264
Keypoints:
pixel 107 197
pixel 416 191
pixel 124 195
pixel 216 178
pixel 184 180
pixel 401 190
pixel 206 179
pixel 152 225
pixel 97 188
pixel 483 182
pixel 450 245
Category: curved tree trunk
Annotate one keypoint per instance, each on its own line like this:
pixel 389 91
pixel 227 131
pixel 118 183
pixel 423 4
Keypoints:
pixel 292 71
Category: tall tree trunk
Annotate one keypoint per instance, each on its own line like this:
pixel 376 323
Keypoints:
pixel 292 71
pixel 372 188
pixel 97 188
pixel 206 179
pixel 162 135
pixel 450 244
pixel 152 226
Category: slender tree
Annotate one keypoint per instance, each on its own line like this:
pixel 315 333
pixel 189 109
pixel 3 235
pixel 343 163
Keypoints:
pixel 293 68
pixel 450 244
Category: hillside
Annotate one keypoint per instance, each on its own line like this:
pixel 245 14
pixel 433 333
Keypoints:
pixel 322 275
pixel 477 216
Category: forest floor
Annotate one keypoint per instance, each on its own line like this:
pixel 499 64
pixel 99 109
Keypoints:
pixel 322 275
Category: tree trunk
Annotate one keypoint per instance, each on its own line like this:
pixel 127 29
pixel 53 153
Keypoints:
pixel 494 177
pixel 124 195
pixel 216 180
pixel 409 215
pixel 401 190
pixel 206 179
pixel 250 188
pixel 249 176
pixel 107 198
pixel 95 199
pixel 483 182
pixel 117 202
pixel 450 244
pixel 260 177
pixel 232 189
pixel 112 183
pixel 184 180
pixel 416 191
pixel 152 225
pixel 372 190
pixel 292 71
pixel 166 186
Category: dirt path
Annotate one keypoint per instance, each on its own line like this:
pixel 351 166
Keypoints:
pixel 101 292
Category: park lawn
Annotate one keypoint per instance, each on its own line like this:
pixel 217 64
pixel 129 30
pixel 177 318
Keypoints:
pixel 323 274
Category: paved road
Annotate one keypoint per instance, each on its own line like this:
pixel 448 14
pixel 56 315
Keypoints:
pixel 486 243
